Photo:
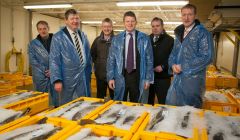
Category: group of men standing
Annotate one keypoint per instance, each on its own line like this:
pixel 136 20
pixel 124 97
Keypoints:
pixel 132 64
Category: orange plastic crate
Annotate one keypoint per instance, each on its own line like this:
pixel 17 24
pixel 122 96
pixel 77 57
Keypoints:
pixel 230 107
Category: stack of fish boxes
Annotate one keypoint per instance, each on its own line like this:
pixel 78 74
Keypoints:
pixel 15 78
pixel 226 81
pixel 211 81
pixel 216 105
pixel 235 95
pixel 6 87
pixel 27 80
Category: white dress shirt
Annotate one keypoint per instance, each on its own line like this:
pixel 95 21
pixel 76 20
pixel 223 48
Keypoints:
pixel 73 39
pixel 187 30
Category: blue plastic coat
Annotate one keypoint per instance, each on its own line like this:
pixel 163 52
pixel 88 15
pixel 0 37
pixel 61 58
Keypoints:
pixel 115 65
pixel 194 53
pixel 38 59
pixel 65 65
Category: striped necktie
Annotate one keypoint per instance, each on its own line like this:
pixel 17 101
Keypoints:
pixel 78 47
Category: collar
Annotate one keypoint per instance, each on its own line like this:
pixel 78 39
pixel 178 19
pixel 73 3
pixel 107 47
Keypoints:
pixel 70 31
pixel 133 32
pixel 190 27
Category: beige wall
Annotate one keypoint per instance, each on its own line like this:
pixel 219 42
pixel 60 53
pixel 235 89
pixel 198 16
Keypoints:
pixel 54 23
pixel 238 66
pixel 90 31
pixel 225 52
pixel 14 24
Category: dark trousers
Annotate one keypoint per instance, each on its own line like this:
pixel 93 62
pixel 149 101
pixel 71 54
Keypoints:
pixel 160 88
pixel 131 86
pixel 102 86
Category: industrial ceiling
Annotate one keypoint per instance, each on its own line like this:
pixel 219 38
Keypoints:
pixel 96 10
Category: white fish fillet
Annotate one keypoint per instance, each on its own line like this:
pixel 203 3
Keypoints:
pixel 14 98
pixel 69 111
pixel 227 125
pixel 35 130
pixel 215 96
pixel 6 113
pixel 173 119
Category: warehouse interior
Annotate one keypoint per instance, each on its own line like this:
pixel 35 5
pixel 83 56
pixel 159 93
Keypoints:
pixel 218 119
pixel 219 16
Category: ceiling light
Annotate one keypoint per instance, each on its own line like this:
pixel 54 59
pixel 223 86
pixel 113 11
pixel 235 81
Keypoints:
pixel 152 3
pixel 94 22
pixel 173 22
pixel 170 31
pixel 47 6
pixel 118 30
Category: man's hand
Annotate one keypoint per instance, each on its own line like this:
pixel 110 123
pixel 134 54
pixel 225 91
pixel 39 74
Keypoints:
pixel 158 69
pixel 58 87
pixel 176 69
pixel 47 73
pixel 146 85
pixel 111 84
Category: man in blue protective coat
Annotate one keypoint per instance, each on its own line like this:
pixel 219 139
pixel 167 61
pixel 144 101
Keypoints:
pixel 192 52
pixel 130 63
pixel 38 51
pixel 70 60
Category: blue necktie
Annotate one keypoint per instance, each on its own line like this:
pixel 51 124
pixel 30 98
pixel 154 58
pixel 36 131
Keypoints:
pixel 130 55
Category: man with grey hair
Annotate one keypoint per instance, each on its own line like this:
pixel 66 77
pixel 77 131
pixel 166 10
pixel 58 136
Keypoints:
pixel 99 53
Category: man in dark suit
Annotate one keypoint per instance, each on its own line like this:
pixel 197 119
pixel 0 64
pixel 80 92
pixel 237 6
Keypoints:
pixel 70 60
pixel 162 45
pixel 130 62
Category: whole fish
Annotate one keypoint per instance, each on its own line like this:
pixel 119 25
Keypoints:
pixel 185 121
pixel 16 97
pixel 128 119
pixel 65 109
pixel 30 132
pixel 83 112
pixel 218 136
pixel 111 115
pixel 9 115
pixel 159 117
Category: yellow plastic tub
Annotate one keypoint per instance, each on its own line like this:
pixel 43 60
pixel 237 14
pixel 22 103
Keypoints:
pixel 90 114
pixel 143 134
pixel 4 90
pixel 15 122
pixel 204 134
pixel 230 107
pixel 36 104
pixel 101 131
pixel 66 126
pixel 134 126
